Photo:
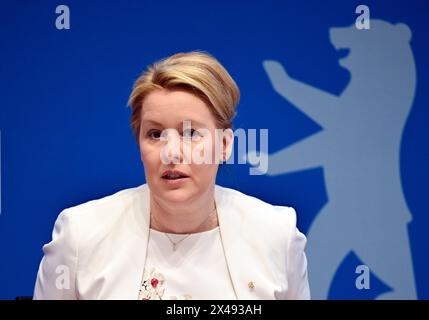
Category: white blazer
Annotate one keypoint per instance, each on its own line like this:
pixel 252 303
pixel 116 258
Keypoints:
pixel 98 248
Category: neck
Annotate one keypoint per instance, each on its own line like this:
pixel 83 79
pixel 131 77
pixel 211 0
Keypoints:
pixel 197 216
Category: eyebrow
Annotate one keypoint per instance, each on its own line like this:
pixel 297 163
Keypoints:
pixel 158 123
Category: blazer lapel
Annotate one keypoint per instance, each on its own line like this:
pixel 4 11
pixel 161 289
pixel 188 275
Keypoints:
pixel 249 273
pixel 134 249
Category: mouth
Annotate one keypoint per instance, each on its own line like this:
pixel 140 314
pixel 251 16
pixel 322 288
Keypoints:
pixel 343 53
pixel 174 175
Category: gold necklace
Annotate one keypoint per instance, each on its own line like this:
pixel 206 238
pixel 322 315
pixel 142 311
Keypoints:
pixel 174 244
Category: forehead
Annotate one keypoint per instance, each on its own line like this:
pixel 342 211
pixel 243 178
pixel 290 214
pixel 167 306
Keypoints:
pixel 174 105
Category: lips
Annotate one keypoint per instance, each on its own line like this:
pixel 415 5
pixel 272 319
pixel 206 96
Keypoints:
pixel 173 175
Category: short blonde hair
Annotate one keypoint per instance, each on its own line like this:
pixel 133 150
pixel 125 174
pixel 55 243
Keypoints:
pixel 199 73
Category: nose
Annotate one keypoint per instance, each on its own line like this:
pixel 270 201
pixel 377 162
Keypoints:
pixel 171 151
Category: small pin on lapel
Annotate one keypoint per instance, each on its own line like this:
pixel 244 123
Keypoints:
pixel 251 285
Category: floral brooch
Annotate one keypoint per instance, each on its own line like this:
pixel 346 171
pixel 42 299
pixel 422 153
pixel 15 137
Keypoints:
pixel 152 287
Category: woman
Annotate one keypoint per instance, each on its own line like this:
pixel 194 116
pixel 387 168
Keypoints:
pixel 179 236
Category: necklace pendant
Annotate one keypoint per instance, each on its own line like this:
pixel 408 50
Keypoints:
pixel 174 247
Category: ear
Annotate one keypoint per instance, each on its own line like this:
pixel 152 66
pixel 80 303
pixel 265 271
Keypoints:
pixel 228 143
pixel 404 31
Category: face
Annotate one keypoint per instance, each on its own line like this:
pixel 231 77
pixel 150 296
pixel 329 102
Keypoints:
pixel 164 137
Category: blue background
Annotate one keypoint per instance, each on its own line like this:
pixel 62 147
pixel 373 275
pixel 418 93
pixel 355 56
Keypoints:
pixel 65 135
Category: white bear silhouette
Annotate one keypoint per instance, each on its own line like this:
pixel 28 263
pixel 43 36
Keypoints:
pixel 359 150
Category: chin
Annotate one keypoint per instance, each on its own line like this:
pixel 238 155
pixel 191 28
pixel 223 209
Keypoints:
pixel 181 194
pixel 344 63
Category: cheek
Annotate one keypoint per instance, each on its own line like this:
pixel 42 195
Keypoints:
pixel 203 173
pixel 206 149
pixel 149 155
pixel 207 170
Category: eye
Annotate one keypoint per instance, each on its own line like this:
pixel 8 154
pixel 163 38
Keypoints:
pixel 191 134
pixel 154 134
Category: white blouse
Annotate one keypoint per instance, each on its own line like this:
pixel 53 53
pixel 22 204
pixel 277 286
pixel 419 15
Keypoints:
pixel 197 269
